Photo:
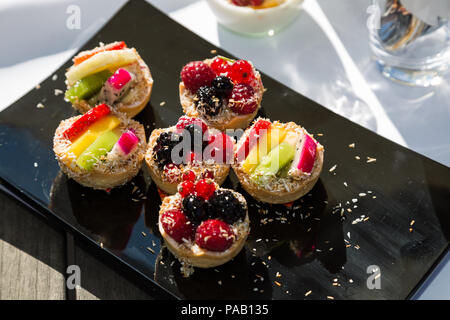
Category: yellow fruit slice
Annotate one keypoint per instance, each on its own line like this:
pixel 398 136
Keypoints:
pixel 95 130
pixel 101 61
pixel 269 4
pixel 271 139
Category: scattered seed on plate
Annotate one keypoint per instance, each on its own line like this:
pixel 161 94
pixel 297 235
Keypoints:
pixel 40 106
pixel 330 297
pixel 362 194
pixel 37 87
pixel 277 283
pixel 357 158
pixel 162 103
pixel 333 168
pixel 352 145
pixel 369 159
pixel 308 293
pixel 345 184
pixel 143 233
pixel 213 51
pixel 55 77
pixel 151 250
pixel 58 92
pixel 412 222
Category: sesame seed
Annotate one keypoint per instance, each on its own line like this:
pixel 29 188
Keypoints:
pixel 308 293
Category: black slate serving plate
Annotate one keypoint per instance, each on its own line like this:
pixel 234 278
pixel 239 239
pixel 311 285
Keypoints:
pixel 391 213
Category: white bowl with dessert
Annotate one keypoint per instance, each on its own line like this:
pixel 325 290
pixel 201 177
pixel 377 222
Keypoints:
pixel 255 16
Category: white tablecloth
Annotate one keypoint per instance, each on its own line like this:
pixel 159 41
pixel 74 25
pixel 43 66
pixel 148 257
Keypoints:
pixel 323 55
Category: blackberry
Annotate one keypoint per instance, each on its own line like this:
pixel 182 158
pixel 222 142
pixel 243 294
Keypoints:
pixel 208 101
pixel 162 153
pixel 223 86
pixel 224 205
pixel 194 208
pixel 195 136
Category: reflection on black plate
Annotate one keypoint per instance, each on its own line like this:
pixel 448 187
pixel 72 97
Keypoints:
pixel 392 213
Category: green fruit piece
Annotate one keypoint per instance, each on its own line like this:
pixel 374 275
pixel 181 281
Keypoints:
pixel 88 86
pixel 100 147
pixel 273 162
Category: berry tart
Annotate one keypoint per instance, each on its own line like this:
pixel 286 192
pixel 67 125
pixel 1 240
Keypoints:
pixel 224 93
pixel 277 162
pixel 101 149
pixel 190 148
pixel 204 225
pixel 111 74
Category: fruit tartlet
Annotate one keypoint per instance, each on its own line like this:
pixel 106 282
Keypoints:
pixel 204 225
pixel 113 74
pixel 224 93
pixel 101 149
pixel 190 148
pixel 277 162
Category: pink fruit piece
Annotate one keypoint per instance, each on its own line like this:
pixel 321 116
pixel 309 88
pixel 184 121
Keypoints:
pixel 306 155
pixel 117 86
pixel 128 141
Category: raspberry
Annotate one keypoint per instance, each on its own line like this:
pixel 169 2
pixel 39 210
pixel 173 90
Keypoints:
pixel 220 66
pixel 189 176
pixel 207 174
pixel 214 235
pixel 241 3
pixel 185 121
pixel 243 100
pixel 186 188
pixel 197 74
pixel 221 148
pixel 242 72
pixel 204 189
pixel 176 224
pixel 256 2
pixel 171 173
pixel 223 86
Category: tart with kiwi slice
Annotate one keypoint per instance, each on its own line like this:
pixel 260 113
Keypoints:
pixel 101 149
pixel 204 225
pixel 277 162
pixel 113 74
pixel 186 149
pixel 224 93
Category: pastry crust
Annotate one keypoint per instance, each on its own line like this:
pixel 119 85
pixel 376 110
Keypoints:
pixel 280 190
pixel 227 119
pixel 140 94
pixel 189 253
pixel 104 175
pixel 220 171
